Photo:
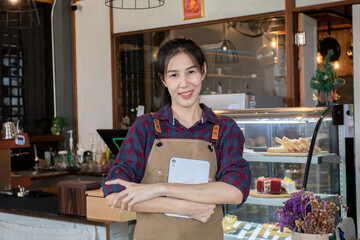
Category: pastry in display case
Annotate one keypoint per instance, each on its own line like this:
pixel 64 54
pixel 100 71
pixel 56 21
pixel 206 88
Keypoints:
pixel 288 149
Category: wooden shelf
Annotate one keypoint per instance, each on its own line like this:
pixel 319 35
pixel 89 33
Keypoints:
pixel 46 138
pixel 10 143
pixel 280 201
pixel 316 159
pixel 247 55
pixel 235 76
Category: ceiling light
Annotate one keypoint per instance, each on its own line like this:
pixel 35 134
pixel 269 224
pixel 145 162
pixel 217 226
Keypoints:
pixel 227 52
pixel 273 43
pixel 134 4
pixel 319 58
pixel 19 13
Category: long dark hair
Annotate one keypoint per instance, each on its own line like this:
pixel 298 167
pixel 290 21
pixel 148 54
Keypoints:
pixel 170 49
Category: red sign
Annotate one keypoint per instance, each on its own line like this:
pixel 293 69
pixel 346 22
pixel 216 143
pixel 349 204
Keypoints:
pixel 193 9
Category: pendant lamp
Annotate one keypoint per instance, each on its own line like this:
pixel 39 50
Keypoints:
pixel 19 13
pixel 134 4
pixel 226 53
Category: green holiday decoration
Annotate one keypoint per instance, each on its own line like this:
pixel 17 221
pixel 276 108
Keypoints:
pixel 328 80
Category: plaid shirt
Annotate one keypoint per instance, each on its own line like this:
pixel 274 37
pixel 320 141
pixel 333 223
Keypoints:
pixel 132 158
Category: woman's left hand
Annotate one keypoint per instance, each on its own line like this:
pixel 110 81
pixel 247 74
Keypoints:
pixel 133 193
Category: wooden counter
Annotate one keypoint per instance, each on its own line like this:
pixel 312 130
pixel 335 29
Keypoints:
pixel 39 218
pixel 38 174
pixel 43 207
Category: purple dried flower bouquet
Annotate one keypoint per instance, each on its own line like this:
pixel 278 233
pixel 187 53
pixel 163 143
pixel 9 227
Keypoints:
pixel 306 213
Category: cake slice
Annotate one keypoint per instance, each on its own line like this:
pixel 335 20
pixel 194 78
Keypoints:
pixel 268 185
pixel 288 185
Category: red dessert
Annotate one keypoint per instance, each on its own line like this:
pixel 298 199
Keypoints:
pixel 268 185
pixel 260 186
pixel 275 185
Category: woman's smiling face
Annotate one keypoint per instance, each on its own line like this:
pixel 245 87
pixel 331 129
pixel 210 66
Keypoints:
pixel 183 79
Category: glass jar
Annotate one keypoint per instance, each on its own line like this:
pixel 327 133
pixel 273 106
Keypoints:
pixel 90 167
pixel 87 157
pixel 99 168
pixel 62 160
pixel 83 167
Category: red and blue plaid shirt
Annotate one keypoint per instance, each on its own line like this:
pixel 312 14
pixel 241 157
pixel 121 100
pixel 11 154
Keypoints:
pixel 131 161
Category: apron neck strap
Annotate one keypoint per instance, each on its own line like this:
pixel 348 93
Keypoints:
pixel 157 126
pixel 215 133
pixel 214 137
pixel 157 132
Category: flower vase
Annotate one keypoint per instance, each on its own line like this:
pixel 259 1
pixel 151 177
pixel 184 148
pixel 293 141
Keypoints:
pixel 55 129
pixel 307 236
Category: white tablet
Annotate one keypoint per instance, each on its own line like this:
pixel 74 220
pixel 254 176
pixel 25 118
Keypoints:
pixel 187 171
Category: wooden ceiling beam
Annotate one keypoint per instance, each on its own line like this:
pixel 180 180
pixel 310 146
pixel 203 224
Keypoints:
pixel 52 1
pixel 335 27
pixel 45 1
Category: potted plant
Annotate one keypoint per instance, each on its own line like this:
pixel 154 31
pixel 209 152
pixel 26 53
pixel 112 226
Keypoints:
pixel 58 125
pixel 308 216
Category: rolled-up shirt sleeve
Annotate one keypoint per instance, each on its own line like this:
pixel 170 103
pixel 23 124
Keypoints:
pixel 130 162
pixel 232 167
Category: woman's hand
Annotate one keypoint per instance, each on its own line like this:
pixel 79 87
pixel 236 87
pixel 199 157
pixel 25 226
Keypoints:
pixel 198 211
pixel 133 193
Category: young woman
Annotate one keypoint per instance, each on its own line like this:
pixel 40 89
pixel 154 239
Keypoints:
pixel 182 128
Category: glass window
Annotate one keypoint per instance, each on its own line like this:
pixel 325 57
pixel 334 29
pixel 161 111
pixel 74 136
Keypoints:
pixel 26 91
pixel 245 56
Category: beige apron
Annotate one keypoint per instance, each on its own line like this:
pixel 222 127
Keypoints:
pixel 158 226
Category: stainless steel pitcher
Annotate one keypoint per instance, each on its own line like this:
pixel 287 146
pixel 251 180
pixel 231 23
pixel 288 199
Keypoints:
pixel 8 130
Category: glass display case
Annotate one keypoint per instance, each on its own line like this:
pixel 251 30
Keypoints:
pixel 319 166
